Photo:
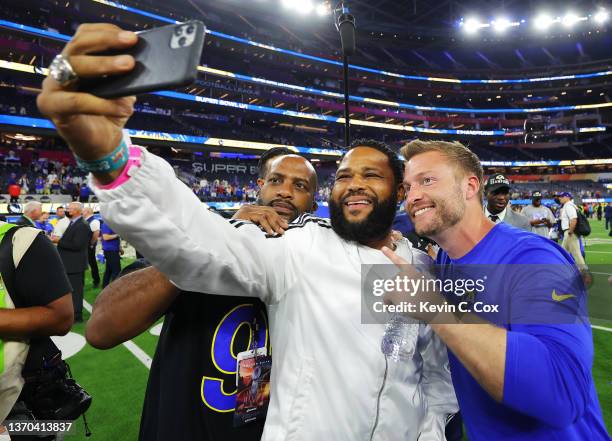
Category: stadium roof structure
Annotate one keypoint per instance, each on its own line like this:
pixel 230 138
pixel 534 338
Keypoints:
pixel 439 17
pixel 391 97
pixel 399 28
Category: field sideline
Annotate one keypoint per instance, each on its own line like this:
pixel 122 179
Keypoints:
pixel 117 378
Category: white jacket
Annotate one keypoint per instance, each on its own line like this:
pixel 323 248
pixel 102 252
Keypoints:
pixel 330 380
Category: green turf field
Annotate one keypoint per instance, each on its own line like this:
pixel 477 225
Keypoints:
pixel 117 378
pixel 599 258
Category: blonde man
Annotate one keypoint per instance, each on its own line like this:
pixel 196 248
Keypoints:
pixel 523 374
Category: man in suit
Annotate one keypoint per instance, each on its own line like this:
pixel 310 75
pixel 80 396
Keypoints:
pixel 32 211
pixel 497 192
pixel 72 247
pixel 608 217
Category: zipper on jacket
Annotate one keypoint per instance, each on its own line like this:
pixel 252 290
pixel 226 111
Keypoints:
pixel 382 387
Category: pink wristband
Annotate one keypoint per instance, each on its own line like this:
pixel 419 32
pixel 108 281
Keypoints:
pixel 133 161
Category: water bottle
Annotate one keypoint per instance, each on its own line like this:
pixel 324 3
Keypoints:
pixel 400 338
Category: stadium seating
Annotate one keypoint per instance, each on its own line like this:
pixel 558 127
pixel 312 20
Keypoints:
pixel 300 81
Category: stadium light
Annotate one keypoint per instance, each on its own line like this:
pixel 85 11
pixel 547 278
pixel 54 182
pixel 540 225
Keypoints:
pixel 304 6
pixel 543 21
pixel 289 3
pixel 601 16
pixel 323 9
pixel 570 19
pixel 501 24
pixel 471 25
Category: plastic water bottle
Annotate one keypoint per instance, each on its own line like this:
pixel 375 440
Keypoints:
pixel 400 338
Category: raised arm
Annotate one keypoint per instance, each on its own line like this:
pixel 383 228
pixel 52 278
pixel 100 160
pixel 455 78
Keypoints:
pixel 153 210
pixel 198 250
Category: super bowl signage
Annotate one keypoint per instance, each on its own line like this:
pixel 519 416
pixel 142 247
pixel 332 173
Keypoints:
pixel 221 167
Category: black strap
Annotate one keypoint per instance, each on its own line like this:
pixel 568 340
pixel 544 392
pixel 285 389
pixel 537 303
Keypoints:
pixel 7 265
pixel 41 348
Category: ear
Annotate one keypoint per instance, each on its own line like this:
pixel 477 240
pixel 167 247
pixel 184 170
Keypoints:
pixel 315 206
pixel 473 187
pixel 260 182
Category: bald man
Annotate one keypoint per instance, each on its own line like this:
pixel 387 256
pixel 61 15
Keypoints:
pixel 72 247
pixel 32 211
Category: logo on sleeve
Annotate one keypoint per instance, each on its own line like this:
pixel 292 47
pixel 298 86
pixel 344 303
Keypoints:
pixel 561 297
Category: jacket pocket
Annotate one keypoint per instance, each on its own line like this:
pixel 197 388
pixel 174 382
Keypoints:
pixel 300 405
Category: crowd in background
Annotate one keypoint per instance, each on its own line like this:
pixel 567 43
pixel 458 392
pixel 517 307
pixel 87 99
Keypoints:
pixel 48 177
pixel 220 190
pixel 43 177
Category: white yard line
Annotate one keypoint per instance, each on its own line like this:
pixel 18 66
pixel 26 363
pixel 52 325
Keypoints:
pixel 601 328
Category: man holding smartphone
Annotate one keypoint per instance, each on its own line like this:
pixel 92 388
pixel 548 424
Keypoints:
pixel 309 278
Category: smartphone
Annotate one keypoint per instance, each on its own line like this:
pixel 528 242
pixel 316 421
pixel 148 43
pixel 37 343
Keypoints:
pixel 166 58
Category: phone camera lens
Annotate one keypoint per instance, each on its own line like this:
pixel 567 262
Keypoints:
pixel 178 31
pixel 190 29
pixel 182 41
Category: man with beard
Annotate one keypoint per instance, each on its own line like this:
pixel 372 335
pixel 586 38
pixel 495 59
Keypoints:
pixel 540 217
pixel 185 396
pixel 529 377
pixel 497 192
pixel 330 380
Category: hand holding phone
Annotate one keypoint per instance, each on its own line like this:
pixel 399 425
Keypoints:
pixel 166 58
pixel 91 114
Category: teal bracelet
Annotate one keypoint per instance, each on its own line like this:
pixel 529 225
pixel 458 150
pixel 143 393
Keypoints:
pixel 114 161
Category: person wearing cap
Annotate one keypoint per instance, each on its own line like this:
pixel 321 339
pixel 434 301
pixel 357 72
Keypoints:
pixel 540 216
pixel 497 192
pixel 569 219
